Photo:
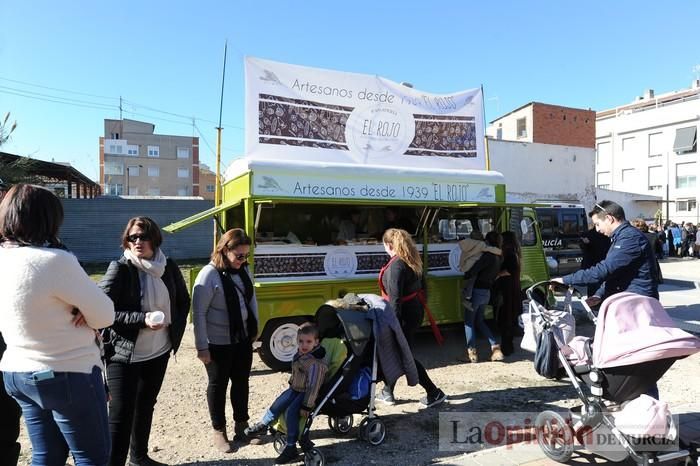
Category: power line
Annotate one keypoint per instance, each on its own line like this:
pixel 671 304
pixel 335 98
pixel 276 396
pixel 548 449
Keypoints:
pixel 67 99
pixel 97 105
pixel 57 89
pixel 57 101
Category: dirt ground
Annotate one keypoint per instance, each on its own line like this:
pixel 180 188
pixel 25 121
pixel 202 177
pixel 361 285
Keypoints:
pixel 181 429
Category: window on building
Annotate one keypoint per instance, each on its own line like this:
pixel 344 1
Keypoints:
pixel 183 173
pixel 628 144
pixel 657 178
pixel 686 140
pixel 604 180
pixel 499 131
pixel 153 151
pixel 115 149
pixel 655 144
pixel 183 152
pixel 627 175
pixel 685 175
pixel 182 191
pixel 521 127
pixel 211 188
pixel 686 205
pixel 604 154
pixel 154 191
pixel 153 171
pixel 114 189
pixel 132 150
pixel 114 168
pixel 133 170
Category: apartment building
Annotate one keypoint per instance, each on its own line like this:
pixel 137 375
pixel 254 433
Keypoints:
pixel 536 122
pixel 545 152
pixel 207 182
pixel 136 161
pixel 649 146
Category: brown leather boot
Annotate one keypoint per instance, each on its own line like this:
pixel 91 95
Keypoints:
pixel 221 442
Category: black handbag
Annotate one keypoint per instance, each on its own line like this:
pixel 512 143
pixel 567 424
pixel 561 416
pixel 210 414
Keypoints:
pixel 546 355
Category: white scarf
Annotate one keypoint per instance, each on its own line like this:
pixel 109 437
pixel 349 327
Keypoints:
pixel 155 293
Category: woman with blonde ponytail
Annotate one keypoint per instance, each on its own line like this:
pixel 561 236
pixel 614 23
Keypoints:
pixel 401 284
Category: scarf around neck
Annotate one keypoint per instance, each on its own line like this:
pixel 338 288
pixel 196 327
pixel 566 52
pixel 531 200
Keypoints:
pixel 155 293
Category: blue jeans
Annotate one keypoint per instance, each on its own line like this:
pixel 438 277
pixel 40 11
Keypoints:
pixel 289 401
pixel 65 413
pixel 475 317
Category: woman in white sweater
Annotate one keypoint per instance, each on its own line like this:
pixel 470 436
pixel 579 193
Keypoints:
pixel 49 311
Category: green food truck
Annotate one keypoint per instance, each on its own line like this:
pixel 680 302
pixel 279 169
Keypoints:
pixel 316 230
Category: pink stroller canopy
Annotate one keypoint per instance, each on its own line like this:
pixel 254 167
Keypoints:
pixel 633 329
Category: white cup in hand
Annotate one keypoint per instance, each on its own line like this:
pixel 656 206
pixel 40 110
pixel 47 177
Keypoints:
pixel 157 317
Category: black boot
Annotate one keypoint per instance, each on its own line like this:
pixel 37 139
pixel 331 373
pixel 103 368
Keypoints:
pixel 290 454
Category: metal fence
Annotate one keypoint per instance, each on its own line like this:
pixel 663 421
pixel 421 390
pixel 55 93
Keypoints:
pixel 92 228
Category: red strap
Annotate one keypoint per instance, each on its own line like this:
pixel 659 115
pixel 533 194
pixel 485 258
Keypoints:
pixel 420 294
pixel 436 331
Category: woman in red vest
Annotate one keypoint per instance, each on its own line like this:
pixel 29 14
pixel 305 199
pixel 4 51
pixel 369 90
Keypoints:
pixel 400 282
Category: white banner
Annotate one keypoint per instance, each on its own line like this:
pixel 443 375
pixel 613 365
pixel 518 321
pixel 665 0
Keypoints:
pixel 310 114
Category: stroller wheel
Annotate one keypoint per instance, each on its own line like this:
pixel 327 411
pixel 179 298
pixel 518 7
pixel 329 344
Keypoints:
pixel 362 429
pixel 314 457
pixel 554 435
pixel 375 431
pixel 341 425
pixel 279 442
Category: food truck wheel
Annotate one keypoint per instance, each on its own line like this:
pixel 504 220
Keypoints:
pixel 279 341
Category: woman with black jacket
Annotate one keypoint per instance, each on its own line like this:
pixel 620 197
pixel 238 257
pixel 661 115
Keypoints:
pixel 151 304
pixel 400 282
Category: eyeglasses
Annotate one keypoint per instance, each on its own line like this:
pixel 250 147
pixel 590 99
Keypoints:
pixel 242 257
pixel 134 238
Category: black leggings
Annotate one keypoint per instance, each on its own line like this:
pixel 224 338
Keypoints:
pixel 411 319
pixel 134 389
pixel 228 362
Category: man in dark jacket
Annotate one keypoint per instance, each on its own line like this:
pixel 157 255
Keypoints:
pixel 629 265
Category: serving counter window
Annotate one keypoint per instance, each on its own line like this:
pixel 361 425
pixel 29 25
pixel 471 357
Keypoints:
pixel 302 241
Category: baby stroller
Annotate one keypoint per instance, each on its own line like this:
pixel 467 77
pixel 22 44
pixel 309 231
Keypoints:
pixel 350 390
pixel 635 343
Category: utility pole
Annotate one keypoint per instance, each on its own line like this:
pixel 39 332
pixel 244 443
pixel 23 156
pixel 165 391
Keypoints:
pixel 217 190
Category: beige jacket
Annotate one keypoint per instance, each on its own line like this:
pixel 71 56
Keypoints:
pixel 471 252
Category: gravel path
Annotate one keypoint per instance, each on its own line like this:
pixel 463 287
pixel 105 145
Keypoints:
pixel 181 429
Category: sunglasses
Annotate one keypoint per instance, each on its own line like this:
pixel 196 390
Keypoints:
pixel 134 238
pixel 242 257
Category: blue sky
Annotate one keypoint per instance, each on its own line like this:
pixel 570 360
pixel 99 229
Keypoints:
pixel 167 56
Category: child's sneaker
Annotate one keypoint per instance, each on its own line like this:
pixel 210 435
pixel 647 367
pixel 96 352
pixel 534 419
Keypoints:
pixel 433 399
pixel 290 454
pixel 256 430
pixel 385 396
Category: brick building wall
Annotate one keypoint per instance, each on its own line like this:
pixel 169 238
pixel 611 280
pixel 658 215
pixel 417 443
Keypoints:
pixel 553 124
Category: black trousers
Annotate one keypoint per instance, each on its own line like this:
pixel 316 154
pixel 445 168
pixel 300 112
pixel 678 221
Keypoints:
pixel 9 427
pixel 411 319
pixel 134 391
pixel 228 363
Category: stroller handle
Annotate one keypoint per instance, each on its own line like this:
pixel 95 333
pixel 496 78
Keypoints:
pixel 555 286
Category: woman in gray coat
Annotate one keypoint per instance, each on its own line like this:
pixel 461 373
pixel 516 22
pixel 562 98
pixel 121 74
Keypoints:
pixel 225 327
